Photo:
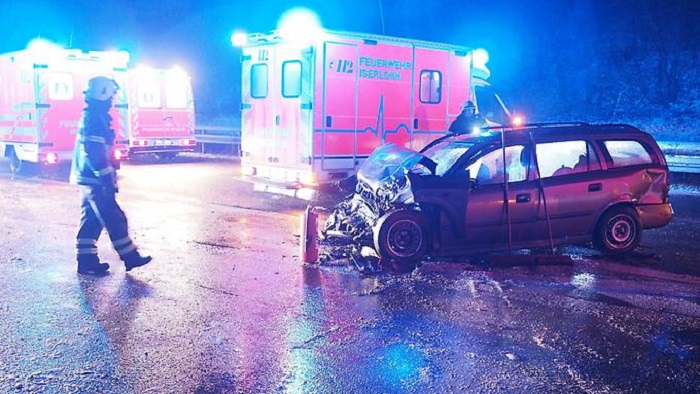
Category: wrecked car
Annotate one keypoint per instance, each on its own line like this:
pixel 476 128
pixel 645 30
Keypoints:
pixel 514 188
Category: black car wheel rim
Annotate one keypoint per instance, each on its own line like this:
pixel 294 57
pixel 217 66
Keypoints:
pixel 621 231
pixel 404 238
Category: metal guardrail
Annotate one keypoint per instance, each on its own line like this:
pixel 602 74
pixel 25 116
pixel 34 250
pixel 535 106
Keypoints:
pixel 218 139
pixel 682 157
pixel 217 135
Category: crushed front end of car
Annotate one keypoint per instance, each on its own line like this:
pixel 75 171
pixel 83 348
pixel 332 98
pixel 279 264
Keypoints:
pixel 383 186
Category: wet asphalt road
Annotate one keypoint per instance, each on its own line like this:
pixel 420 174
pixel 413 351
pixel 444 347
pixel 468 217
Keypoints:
pixel 226 306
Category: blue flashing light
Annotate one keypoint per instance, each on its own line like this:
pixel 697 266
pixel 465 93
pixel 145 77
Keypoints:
pixel 300 26
pixel 239 39
pixel 481 57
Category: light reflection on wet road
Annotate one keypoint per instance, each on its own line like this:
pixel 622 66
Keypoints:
pixel 227 306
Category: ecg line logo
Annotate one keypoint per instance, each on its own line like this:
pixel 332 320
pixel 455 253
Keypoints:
pixel 379 128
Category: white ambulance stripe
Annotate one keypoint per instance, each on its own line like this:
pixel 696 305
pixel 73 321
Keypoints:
pixel 126 249
pixel 93 138
pixel 86 241
pixel 87 251
pixel 105 171
pixel 122 241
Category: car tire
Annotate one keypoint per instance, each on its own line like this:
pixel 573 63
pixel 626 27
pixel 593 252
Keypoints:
pixel 619 231
pixel 402 237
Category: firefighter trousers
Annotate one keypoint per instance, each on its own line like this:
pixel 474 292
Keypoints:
pixel 99 210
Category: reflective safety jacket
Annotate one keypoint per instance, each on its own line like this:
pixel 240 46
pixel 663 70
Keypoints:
pixel 92 157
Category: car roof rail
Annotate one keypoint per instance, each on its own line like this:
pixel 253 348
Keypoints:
pixel 537 125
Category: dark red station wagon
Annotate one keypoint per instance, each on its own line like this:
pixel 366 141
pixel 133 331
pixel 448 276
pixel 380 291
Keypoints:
pixel 532 186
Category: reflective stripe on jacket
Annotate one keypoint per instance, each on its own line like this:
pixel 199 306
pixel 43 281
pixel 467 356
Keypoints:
pixel 92 164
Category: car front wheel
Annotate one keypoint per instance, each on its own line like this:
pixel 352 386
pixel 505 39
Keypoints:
pixel 619 231
pixel 401 236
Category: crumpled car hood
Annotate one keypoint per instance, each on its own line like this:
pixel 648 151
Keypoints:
pixel 386 163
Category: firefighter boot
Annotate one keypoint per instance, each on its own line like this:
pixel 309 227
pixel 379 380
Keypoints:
pixel 134 259
pixel 90 265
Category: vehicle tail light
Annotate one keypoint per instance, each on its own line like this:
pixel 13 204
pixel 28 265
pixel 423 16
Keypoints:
pixel 120 154
pixel 51 158
pixel 307 178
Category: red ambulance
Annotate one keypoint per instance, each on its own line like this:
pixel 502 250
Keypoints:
pixel 311 113
pixel 161 109
pixel 41 100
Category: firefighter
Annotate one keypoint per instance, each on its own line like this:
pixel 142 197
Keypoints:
pixel 93 170
pixel 468 120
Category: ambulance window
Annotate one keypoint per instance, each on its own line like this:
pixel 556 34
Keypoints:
pixel 60 86
pixel 291 79
pixel 258 81
pixel 430 86
pixel 175 94
pixel 149 94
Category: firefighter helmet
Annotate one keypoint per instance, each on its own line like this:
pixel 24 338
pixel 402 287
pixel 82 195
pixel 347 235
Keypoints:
pixel 101 88
pixel 468 105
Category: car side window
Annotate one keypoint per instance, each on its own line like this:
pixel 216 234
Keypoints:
pixel 488 169
pixel 627 153
pixel 566 157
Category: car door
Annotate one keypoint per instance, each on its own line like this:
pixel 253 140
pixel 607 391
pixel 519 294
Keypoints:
pixel 492 220
pixel 573 187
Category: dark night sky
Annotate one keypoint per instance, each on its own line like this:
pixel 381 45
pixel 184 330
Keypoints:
pixel 195 34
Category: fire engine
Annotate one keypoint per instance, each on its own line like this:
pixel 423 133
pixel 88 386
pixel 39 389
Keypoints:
pixel 312 112
pixel 161 109
pixel 41 100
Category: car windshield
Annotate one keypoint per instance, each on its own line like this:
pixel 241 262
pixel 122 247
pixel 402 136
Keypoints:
pixel 446 153
pixel 388 160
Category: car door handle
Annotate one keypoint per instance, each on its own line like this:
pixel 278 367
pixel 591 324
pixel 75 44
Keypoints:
pixel 595 187
pixel 522 198
pixel 278 120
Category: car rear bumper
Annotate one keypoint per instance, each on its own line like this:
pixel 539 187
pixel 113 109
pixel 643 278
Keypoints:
pixel 655 215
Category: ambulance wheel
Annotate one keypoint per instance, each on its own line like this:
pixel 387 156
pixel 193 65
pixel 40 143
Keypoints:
pixel 166 155
pixel 15 162
pixel 402 237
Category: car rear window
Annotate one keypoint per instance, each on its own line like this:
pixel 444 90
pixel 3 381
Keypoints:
pixel 566 157
pixel 627 153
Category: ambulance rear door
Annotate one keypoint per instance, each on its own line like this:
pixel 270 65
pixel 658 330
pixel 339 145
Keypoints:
pixel 258 108
pixel 60 84
pixel 293 115
pixel 162 109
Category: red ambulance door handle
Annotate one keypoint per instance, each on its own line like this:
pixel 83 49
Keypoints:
pixel 415 123
pixel 329 121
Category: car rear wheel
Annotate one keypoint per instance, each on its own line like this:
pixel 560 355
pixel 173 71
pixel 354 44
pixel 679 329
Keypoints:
pixel 402 237
pixel 619 231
